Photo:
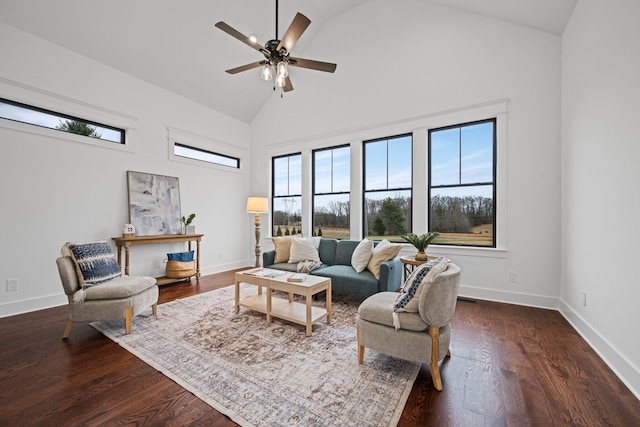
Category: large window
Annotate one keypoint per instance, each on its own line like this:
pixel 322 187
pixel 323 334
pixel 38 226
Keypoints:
pixel 462 183
pixel 387 187
pixel 331 185
pixel 287 194
pixel 36 116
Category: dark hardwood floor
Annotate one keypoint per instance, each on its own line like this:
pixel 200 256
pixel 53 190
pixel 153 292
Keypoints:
pixel 510 365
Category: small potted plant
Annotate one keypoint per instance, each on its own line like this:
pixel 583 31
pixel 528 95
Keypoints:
pixel 186 221
pixel 421 242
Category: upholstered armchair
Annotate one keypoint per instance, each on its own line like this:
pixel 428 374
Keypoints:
pixel 422 335
pixel 113 297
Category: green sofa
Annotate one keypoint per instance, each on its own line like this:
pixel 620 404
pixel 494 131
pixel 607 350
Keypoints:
pixel 336 264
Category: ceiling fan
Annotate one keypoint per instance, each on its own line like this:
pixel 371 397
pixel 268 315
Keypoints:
pixel 277 52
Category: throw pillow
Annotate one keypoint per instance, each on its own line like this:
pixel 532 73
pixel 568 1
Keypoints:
pixel 409 298
pixel 304 249
pixel 181 256
pixel 361 255
pixel 384 251
pixel 95 263
pixel 414 284
pixel 282 246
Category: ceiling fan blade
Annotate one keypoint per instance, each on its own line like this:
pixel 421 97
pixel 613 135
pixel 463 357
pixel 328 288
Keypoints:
pixel 295 30
pixel 244 67
pixel 288 87
pixel 312 65
pixel 238 35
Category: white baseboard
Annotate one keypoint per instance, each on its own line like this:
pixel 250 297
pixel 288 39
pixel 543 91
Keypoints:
pixel 628 373
pixel 33 304
pixel 518 298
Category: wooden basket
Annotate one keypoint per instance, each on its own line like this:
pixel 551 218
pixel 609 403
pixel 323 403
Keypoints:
pixel 180 269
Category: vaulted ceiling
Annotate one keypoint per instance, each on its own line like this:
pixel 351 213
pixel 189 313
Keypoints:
pixel 174 45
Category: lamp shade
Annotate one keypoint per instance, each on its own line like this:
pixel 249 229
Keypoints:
pixel 257 205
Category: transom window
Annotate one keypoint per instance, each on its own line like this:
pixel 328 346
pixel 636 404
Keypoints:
pixel 36 116
pixel 331 189
pixel 387 187
pixel 287 194
pixel 195 153
pixel 462 183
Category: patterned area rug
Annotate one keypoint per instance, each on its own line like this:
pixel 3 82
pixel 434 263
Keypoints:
pixel 261 374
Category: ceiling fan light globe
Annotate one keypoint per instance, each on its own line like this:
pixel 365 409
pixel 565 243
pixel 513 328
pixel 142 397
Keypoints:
pixel 267 72
pixel 280 81
pixel 282 71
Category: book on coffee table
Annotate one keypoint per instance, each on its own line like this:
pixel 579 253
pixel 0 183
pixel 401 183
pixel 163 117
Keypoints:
pixel 265 272
pixel 296 277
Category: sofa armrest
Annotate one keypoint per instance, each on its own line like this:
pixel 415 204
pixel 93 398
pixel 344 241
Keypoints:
pixel 268 258
pixel 390 275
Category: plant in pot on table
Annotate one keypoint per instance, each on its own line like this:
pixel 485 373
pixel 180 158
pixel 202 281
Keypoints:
pixel 421 242
pixel 186 221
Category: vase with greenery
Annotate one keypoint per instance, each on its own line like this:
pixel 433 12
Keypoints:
pixel 186 221
pixel 421 242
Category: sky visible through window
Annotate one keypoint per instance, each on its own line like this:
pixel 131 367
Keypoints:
pixel 49 120
pixel 463 156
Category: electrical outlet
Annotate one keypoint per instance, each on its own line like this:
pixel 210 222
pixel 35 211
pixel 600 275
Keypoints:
pixel 12 284
pixel 512 277
pixel 583 298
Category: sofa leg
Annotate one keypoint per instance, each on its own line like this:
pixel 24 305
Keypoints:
pixel 67 330
pixel 128 319
pixel 433 366
pixel 154 308
pixel 360 348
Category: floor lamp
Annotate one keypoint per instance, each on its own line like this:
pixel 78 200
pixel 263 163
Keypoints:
pixel 257 205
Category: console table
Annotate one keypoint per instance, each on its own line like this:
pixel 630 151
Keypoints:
pixel 127 242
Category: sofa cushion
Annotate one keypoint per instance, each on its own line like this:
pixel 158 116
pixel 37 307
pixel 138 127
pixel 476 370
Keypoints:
pixel 303 249
pixel 378 308
pixel 344 251
pixel 121 287
pixel 362 255
pixel 327 251
pixel 384 251
pixel 345 279
pixel 94 262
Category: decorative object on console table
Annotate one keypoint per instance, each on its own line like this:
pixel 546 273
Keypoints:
pixel 188 229
pixel 154 203
pixel 257 205
pixel 421 243
pixel 128 230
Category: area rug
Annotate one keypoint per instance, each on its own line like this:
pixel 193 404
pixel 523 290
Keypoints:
pixel 261 374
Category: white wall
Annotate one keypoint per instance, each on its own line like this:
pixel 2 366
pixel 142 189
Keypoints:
pixel 600 178
pixel 407 65
pixel 56 189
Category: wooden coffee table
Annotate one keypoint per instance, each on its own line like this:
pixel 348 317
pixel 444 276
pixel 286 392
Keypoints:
pixel 286 309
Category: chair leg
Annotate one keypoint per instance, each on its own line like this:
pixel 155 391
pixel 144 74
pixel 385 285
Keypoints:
pixel 433 366
pixel 360 348
pixel 128 319
pixel 67 330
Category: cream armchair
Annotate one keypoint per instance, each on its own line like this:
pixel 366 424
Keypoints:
pixel 118 298
pixel 423 336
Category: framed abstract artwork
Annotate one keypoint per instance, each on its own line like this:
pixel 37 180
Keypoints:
pixel 154 203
